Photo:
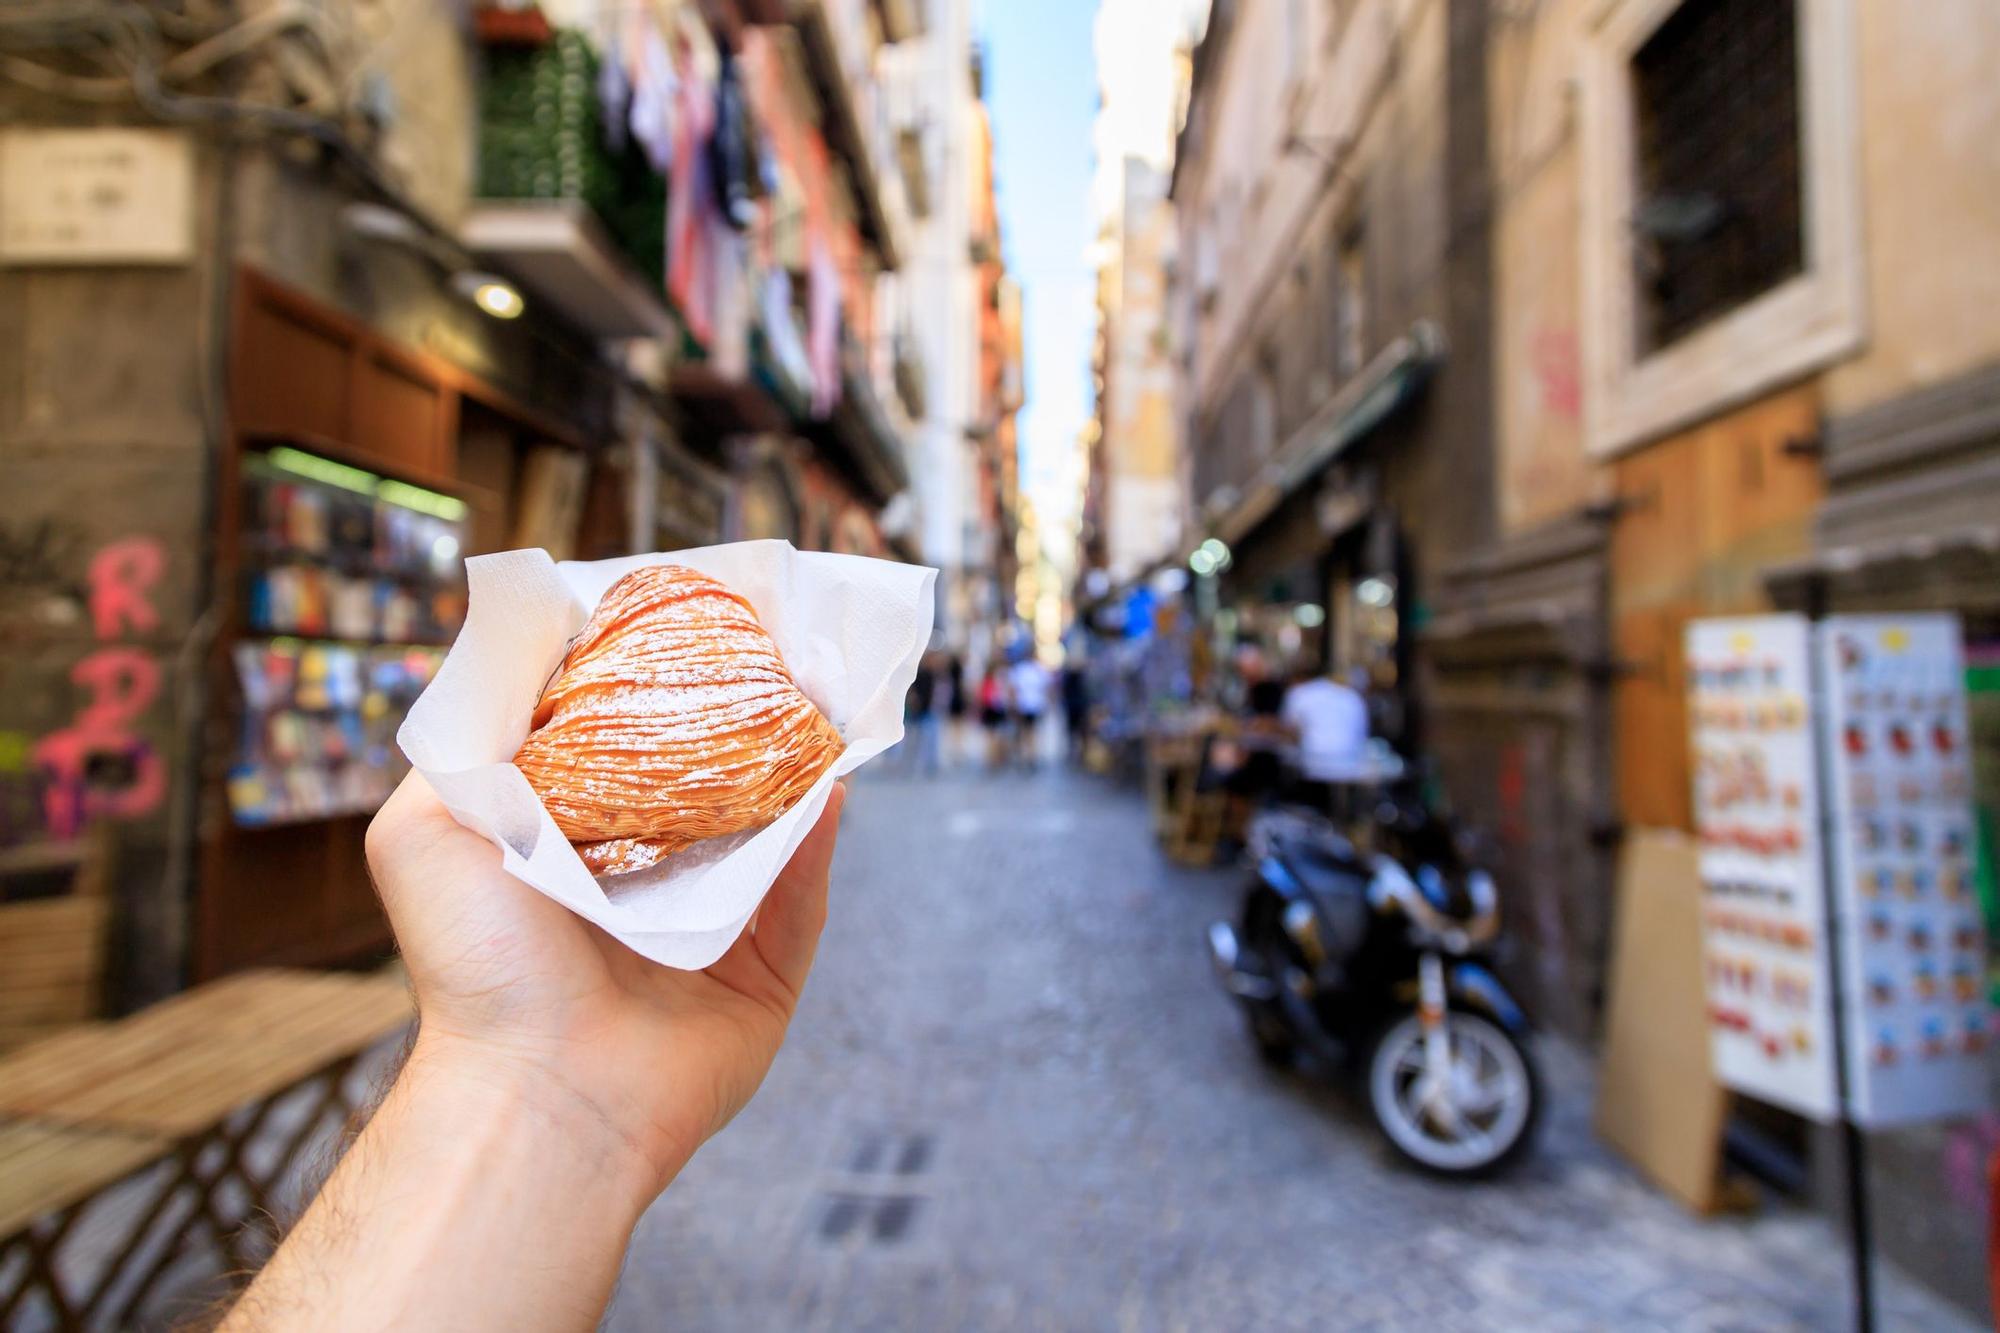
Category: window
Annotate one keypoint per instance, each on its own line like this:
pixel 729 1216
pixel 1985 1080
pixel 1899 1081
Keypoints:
pixel 1719 233
pixel 1350 294
pixel 1717 220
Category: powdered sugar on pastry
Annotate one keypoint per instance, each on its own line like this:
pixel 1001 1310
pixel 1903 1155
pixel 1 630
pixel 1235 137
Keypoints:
pixel 672 719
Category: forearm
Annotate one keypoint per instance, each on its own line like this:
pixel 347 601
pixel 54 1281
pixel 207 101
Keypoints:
pixel 479 1196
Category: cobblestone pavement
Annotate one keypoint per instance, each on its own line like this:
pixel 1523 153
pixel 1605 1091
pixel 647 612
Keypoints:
pixel 1014 1099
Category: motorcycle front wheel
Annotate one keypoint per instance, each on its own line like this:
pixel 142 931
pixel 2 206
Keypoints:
pixel 1474 1120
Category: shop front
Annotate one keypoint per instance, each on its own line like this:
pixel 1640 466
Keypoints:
pixel 357 477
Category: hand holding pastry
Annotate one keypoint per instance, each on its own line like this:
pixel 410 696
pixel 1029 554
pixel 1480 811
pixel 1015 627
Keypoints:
pixel 515 986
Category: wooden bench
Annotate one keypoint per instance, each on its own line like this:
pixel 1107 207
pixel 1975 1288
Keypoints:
pixel 191 1081
pixel 52 943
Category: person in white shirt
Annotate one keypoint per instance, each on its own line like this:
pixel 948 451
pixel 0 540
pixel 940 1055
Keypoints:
pixel 1330 722
pixel 1029 683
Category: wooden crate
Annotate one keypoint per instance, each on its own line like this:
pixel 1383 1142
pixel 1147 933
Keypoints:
pixel 52 948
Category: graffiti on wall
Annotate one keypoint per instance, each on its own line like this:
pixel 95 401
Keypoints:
pixel 38 560
pixel 1557 374
pixel 98 766
pixel 1967 1152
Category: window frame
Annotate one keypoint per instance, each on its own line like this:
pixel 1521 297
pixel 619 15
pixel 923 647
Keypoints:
pixel 1803 324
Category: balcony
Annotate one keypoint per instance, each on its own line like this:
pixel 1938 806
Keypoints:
pixel 841 120
pixel 859 439
pixel 563 256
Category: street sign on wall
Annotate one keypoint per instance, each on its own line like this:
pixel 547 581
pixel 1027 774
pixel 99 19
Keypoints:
pixel 96 196
pixel 1756 797
pixel 1911 938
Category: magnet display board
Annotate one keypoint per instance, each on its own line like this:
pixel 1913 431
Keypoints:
pixel 1756 804
pixel 1910 939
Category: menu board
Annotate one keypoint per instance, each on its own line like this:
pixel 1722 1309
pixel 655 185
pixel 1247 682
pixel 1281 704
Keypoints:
pixel 1910 934
pixel 1756 804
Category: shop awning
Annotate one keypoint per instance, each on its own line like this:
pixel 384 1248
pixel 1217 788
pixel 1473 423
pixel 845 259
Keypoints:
pixel 1391 381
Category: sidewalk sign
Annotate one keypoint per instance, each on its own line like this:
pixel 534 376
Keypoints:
pixel 1854 917
pixel 1912 940
pixel 1764 928
pixel 1889 844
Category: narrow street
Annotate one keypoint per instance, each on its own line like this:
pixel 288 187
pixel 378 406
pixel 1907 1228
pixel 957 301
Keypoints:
pixel 1014 1099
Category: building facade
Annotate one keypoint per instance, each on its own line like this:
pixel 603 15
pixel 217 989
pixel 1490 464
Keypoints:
pixel 1135 503
pixel 1331 303
pixel 1745 358
pixel 944 350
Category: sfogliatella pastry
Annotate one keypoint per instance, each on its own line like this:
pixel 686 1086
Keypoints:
pixel 671 719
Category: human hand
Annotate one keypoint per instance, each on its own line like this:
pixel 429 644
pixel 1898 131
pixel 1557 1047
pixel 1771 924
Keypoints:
pixel 515 989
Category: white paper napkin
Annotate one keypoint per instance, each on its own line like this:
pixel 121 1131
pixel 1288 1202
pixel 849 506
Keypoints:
pixel 851 629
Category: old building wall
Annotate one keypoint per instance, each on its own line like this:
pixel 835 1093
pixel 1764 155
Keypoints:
pixel 108 430
pixel 1931 198
pixel 1544 471
pixel 1282 130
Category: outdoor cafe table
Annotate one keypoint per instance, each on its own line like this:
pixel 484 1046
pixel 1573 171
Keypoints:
pixel 192 1079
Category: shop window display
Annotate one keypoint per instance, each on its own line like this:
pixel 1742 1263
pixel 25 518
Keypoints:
pixel 352 586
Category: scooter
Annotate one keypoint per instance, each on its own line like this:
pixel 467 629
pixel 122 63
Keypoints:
pixel 1377 961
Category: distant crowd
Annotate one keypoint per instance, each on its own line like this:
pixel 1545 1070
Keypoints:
pixel 1005 709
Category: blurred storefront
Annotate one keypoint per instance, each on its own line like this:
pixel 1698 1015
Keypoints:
pixel 1331 309
pixel 409 287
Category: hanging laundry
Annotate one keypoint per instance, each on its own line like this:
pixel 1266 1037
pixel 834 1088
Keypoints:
pixel 823 333
pixel 655 85
pixel 733 309
pixel 781 333
pixel 614 93
pixel 690 195
pixel 732 153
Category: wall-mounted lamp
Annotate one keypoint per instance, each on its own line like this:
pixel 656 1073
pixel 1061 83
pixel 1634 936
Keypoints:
pixel 385 225
pixel 491 293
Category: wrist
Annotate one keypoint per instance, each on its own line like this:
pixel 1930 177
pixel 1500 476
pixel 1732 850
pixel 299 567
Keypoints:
pixel 475 1082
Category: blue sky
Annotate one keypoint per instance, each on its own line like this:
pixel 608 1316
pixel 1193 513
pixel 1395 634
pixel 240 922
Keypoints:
pixel 1042 88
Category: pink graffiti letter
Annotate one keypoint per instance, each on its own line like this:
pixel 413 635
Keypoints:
pixel 120 577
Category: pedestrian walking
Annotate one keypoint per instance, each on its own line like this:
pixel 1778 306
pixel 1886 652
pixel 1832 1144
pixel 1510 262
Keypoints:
pixel 993 715
pixel 1029 681
pixel 1076 705
pixel 922 725
pixel 956 705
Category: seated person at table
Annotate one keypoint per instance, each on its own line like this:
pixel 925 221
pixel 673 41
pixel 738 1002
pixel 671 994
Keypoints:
pixel 1330 722
pixel 1258 768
